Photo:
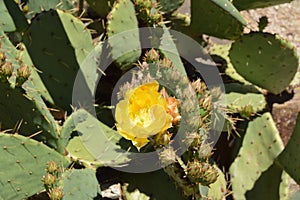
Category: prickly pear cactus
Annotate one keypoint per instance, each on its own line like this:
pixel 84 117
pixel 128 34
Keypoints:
pixel 264 60
pixel 23 165
pixel 57 43
pixel 79 184
pixel 11 17
pixel 261 145
pixel 217 18
pixel 123 18
pixel 288 159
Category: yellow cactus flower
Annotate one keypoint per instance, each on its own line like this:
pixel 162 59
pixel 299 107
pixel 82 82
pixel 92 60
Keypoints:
pixel 142 113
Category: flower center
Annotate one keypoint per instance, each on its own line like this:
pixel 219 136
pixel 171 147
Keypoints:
pixel 142 118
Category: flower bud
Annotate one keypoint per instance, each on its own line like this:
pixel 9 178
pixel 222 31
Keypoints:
pixel 152 56
pixel 247 111
pixel 7 69
pixel 24 71
pixel 51 167
pixel 201 172
pixel 49 179
pixel 23 75
pixel 167 156
pixel 56 193
pixel 162 139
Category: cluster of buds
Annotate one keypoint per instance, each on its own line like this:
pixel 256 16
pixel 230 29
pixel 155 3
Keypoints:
pixel 50 181
pixel 6 71
pixel 148 12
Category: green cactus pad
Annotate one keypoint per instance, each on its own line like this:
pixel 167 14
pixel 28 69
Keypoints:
pixel 28 112
pixel 125 46
pixel 57 43
pixel 252 4
pixel 289 158
pixel 101 7
pixel 239 96
pixel 78 152
pixel 23 164
pixel 217 18
pixel 264 60
pixel 11 17
pixel 97 144
pixel 169 6
pixel 261 145
pixel 79 184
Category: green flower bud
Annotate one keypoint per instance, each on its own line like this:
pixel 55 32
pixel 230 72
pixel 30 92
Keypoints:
pixel 49 179
pixel 56 193
pixel 247 111
pixel 7 69
pixel 23 75
pixel 151 56
pixel 162 139
pixel 201 172
pixel 51 167
pixel 24 71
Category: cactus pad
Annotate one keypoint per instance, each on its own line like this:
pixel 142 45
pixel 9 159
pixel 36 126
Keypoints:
pixel 97 144
pixel 265 60
pixel 126 46
pixel 261 145
pixel 23 163
pixel 239 96
pixel 216 18
pixel 79 184
pixel 57 43
pixel 11 17
pixel 289 158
